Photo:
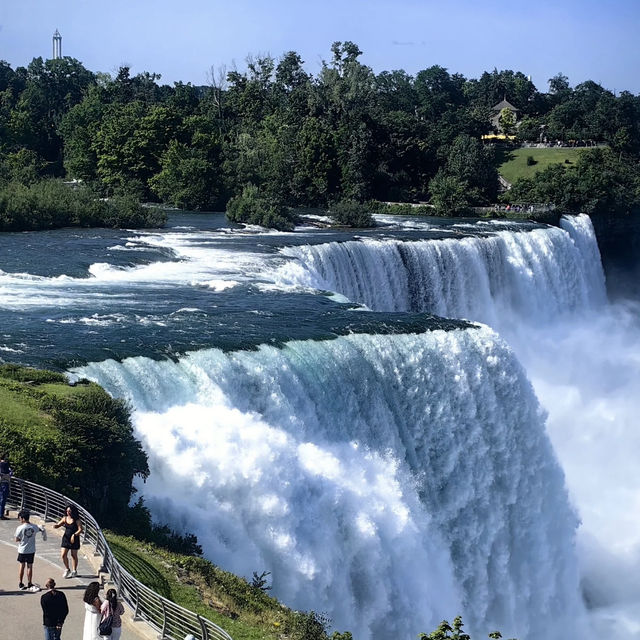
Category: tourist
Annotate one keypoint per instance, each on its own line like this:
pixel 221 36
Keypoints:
pixel 92 605
pixel 54 610
pixel 70 540
pixel 113 607
pixel 26 539
pixel 5 484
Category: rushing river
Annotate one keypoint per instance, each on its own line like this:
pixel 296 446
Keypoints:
pixel 401 425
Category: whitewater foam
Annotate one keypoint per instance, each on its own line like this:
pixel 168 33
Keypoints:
pixel 390 481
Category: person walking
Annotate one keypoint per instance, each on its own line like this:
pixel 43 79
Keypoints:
pixel 114 608
pixel 70 540
pixel 54 610
pixel 26 539
pixel 5 484
pixel 92 605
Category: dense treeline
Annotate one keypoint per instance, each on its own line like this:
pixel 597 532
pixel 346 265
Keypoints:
pixel 273 136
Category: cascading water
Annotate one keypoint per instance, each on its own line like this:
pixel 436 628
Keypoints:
pixel 387 480
pixel 394 480
pixel 537 275
pixel 544 292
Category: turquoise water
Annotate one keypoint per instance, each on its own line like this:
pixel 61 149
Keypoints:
pixel 400 425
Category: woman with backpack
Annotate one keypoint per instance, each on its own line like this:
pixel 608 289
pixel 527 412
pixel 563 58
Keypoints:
pixel 114 608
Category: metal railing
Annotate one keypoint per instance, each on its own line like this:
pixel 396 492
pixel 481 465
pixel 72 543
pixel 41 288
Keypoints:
pixel 172 621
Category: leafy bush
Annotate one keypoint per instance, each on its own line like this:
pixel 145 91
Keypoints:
pixel 445 631
pixel 50 204
pixel 399 208
pixel 77 440
pixel 531 161
pixel 450 196
pixel 352 214
pixel 251 207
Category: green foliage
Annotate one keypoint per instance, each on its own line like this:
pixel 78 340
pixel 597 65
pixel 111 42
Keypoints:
pixel 350 213
pixel 75 439
pixel 23 166
pixel 253 208
pixel 243 609
pixel 445 631
pixel 507 121
pixel 187 178
pixel 50 204
pixel 450 195
pixel 598 182
pixel 531 161
pixel 260 580
pixel 302 140
pixel 399 208
pixel 473 164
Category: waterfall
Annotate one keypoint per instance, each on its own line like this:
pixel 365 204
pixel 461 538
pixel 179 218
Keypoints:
pixel 388 480
pixel 537 275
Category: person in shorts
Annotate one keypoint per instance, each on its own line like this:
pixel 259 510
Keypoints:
pixel 26 539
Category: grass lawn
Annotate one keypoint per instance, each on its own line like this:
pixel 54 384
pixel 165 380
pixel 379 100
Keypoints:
pixel 513 164
pixel 245 612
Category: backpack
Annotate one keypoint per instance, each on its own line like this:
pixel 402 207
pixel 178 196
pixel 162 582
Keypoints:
pixel 105 626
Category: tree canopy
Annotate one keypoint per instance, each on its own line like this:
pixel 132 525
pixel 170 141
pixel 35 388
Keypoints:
pixel 345 134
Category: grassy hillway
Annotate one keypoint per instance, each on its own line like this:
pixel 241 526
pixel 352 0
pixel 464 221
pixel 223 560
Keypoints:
pixel 512 164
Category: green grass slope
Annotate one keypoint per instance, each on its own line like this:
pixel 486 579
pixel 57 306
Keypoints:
pixel 512 164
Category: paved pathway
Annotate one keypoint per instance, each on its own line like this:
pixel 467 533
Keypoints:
pixel 20 611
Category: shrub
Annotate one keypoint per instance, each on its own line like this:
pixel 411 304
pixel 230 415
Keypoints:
pixel 251 207
pixel 352 214
pixel 531 161
pixel 50 204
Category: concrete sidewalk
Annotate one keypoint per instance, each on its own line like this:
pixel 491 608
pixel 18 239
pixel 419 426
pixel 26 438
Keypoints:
pixel 20 611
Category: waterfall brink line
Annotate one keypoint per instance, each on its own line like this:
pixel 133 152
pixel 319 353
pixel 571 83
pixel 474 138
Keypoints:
pixel 390 481
pixel 537 275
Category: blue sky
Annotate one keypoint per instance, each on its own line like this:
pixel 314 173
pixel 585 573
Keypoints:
pixel 183 39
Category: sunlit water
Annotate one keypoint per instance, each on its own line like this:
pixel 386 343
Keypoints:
pixel 305 417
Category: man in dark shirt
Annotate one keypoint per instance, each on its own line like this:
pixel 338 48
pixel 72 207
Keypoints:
pixel 54 610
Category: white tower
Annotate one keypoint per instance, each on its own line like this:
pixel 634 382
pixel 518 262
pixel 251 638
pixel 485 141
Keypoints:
pixel 57 45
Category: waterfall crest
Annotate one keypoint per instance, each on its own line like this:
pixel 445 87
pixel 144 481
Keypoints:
pixel 537 275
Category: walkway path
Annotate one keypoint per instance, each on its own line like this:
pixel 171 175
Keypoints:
pixel 20 611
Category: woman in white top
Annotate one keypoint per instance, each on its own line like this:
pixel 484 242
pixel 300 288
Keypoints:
pixel 112 606
pixel 92 604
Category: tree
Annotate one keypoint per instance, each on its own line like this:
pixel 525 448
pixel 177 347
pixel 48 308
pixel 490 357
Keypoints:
pixel 188 179
pixel 78 128
pixel 450 195
pixel 445 631
pixel 507 121
pixel 472 163
pixel 352 214
pixel 253 208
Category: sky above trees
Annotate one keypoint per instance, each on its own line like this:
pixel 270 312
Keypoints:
pixel 583 39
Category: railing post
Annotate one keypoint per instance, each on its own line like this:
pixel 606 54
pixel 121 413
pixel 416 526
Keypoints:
pixel 164 619
pixel 46 505
pixel 135 609
pixel 203 626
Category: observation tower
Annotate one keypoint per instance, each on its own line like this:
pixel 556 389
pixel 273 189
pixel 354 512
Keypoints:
pixel 57 45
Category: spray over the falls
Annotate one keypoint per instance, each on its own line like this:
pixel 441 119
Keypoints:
pixel 390 481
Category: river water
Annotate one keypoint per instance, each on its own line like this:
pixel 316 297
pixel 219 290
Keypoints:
pixel 401 425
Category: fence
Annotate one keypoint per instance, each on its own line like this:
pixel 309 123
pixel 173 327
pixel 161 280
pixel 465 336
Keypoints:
pixel 172 621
